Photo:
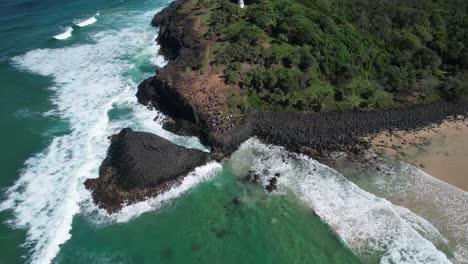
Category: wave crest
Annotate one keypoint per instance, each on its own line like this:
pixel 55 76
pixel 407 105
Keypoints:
pixel 65 34
pixel 88 21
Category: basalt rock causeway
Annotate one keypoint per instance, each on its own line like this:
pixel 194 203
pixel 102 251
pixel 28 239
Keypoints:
pixel 141 165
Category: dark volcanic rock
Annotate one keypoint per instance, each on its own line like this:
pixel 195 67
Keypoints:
pixel 175 30
pixel 144 159
pixel 272 184
pixel 252 176
pixel 226 142
pixel 186 120
pixel 153 92
pixel 140 165
pixel 146 93
pixel 343 130
pixel 169 37
pixel 157 93
pixel 181 127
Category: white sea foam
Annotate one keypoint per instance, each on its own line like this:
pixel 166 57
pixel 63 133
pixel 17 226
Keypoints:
pixel 155 58
pixel 444 205
pixel 26 113
pixel 129 212
pixel 369 225
pixel 89 82
pixel 86 22
pixel 65 34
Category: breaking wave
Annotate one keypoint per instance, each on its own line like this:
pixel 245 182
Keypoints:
pixel 88 21
pixel 90 82
pixel 199 175
pixel 444 205
pixel 371 226
pixel 65 34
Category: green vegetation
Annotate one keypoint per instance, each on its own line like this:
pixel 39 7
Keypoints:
pixel 362 54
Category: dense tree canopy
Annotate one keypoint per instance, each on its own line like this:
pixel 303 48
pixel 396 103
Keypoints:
pixel 316 54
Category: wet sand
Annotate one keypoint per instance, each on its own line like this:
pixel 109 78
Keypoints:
pixel 440 150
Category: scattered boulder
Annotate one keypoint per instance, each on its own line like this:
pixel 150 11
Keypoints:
pixel 252 176
pixel 272 184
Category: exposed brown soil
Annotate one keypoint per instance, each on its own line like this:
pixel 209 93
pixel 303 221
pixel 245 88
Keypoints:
pixel 266 45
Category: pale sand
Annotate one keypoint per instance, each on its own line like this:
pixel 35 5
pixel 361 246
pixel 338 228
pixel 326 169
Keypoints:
pixel 441 151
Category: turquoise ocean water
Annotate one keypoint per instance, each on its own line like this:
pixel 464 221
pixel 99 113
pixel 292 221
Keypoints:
pixel 60 99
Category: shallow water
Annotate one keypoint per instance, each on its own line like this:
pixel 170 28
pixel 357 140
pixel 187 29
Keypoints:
pixel 206 226
pixel 373 227
pixel 444 205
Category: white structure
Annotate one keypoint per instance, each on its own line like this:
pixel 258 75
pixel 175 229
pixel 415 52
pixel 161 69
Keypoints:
pixel 241 3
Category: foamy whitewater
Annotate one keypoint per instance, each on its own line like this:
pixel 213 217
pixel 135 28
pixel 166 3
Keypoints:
pixel 371 226
pixel 88 21
pixel 200 174
pixel 445 205
pixel 65 34
pixel 89 82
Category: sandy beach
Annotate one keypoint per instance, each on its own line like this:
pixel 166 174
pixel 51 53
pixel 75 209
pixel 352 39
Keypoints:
pixel 440 150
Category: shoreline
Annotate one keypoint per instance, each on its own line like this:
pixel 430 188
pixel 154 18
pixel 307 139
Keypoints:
pixel 195 105
pixel 440 150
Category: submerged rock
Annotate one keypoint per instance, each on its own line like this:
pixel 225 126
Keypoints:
pixel 252 176
pixel 272 184
pixel 140 165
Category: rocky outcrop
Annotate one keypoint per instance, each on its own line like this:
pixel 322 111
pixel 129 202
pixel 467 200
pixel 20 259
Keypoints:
pixel 140 165
pixel 213 128
pixel 175 29
pixel 194 100
pixel 155 92
pixel 178 35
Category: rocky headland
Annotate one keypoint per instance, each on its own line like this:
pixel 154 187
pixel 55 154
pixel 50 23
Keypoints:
pixel 196 101
pixel 194 95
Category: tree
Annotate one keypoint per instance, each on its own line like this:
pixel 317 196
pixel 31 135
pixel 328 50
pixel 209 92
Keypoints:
pixel 299 30
pixel 455 88
pixel 426 58
pixel 307 60
pixel 264 16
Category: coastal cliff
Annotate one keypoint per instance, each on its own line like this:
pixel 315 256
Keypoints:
pixel 187 89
